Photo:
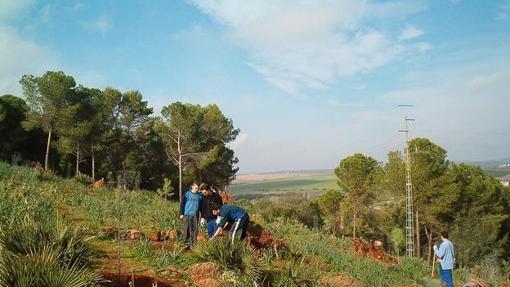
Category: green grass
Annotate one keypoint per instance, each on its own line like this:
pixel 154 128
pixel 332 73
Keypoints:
pixel 318 183
pixel 497 172
pixel 41 197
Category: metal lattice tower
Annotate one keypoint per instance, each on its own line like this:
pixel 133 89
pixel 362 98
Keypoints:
pixel 410 239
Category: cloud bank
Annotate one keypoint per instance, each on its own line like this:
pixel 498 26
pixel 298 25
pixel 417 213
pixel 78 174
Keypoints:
pixel 298 45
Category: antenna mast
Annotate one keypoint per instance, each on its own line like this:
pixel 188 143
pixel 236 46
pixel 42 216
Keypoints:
pixel 410 239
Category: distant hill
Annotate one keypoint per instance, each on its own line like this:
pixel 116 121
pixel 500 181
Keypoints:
pixel 495 168
pixel 489 163
pixel 305 182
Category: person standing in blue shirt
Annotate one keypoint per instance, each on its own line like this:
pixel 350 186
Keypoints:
pixel 446 259
pixel 189 214
pixel 234 215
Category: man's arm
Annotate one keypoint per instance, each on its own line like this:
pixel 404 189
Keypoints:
pixel 218 231
pixel 200 211
pixel 221 225
pixel 203 206
pixel 441 251
pixel 183 202
pixel 220 201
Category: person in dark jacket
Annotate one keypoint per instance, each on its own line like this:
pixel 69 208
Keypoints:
pixel 209 198
pixel 234 215
pixel 189 214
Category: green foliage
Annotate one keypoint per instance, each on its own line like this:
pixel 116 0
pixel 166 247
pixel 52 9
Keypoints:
pixel 237 256
pixel 330 204
pixel 43 268
pixel 47 98
pixel 83 179
pixel 37 247
pixel 397 237
pixel 198 137
pixel 294 208
pixel 17 144
pixel 161 258
pixel 166 190
pixel 358 174
pixel 296 274
pixel 28 236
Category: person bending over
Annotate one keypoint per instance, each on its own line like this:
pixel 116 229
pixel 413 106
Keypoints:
pixel 234 215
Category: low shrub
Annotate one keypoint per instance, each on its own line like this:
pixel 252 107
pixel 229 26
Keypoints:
pixel 237 256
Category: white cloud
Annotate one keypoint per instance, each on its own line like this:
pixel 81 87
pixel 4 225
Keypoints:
pixel 241 139
pixel 298 45
pixel 410 32
pixel 423 47
pixel 467 115
pixel 11 9
pixel 101 24
pixel 18 57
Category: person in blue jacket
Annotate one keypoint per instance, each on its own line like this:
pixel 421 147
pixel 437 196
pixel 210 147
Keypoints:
pixel 446 259
pixel 234 215
pixel 189 214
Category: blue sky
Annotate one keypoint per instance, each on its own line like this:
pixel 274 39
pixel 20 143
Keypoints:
pixel 307 82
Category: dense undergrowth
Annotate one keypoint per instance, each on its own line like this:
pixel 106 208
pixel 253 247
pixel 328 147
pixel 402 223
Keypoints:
pixel 47 223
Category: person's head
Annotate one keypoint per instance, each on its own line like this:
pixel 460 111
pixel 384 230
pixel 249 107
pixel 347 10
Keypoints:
pixel 444 235
pixel 215 208
pixel 194 187
pixel 206 189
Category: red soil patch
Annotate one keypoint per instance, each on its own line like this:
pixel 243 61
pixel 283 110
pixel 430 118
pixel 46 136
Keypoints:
pixel 374 250
pixel 139 280
pixel 134 234
pixel 172 234
pixel 261 239
pixel 205 274
pixel 109 231
pixel 98 184
pixel 156 236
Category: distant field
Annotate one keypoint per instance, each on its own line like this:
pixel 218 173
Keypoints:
pixel 252 186
pixel 497 172
pixel 311 183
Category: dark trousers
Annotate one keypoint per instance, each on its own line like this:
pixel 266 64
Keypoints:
pixel 446 276
pixel 239 228
pixel 190 232
pixel 211 226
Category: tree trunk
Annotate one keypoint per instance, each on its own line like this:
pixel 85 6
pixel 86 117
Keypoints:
pixel 46 158
pixel 77 172
pixel 354 225
pixel 429 240
pixel 179 151
pixel 418 246
pixel 93 164
pixel 180 178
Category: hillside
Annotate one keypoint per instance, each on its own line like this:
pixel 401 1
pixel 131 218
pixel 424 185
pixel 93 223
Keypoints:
pixel 312 183
pixel 106 216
